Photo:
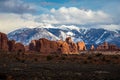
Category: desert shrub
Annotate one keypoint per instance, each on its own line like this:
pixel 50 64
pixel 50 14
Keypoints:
pixel 20 60
pixel 49 57
pixel 115 57
pixel 98 54
pixel 103 58
pixel 89 57
pixel 63 57
pixel 36 59
pixel 56 55
pixel 64 54
pixel 85 62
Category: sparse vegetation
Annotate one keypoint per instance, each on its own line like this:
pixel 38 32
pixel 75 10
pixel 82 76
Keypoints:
pixel 59 67
pixel 49 57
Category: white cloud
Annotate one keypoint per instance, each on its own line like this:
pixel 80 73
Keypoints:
pixel 74 15
pixel 111 27
pixel 16 6
pixel 9 22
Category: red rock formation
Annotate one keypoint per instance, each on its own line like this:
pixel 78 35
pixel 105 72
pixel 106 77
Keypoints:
pixel 11 44
pixel 81 46
pixel 113 47
pixel 72 45
pixel 63 47
pixel 103 46
pixel 46 46
pixel 3 42
pixel 69 40
pixel 32 45
pixel 18 47
pixel 107 47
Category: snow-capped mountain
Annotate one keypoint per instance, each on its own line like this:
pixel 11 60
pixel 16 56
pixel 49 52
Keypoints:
pixel 89 36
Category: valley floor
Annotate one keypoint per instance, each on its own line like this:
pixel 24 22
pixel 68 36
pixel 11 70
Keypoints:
pixel 59 67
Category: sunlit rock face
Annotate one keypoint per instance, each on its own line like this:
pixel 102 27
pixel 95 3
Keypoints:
pixel 72 46
pixel 60 47
pixel 3 42
pixel 63 47
pixel 81 46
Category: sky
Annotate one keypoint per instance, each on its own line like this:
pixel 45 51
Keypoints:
pixel 15 14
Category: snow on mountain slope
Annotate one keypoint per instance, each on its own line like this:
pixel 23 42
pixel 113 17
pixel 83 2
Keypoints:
pixel 89 36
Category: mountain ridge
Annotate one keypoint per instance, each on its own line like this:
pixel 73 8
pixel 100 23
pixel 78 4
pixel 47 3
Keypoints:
pixel 88 35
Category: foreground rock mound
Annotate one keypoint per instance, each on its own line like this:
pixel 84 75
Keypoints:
pixel 10 45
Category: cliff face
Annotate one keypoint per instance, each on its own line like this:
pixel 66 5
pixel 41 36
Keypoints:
pixel 10 45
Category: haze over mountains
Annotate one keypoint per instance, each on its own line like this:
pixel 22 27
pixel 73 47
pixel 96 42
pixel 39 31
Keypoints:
pixel 60 32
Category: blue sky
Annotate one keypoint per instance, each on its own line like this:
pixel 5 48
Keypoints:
pixel 30 13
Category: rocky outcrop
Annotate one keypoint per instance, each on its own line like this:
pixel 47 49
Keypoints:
pixel 32 45
pixel 46 46
pixel 107 47
pixel 81 46
pixel 18 47
pixel 61 47
pixel 3 42
pixel 72 46
pixel 10 45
